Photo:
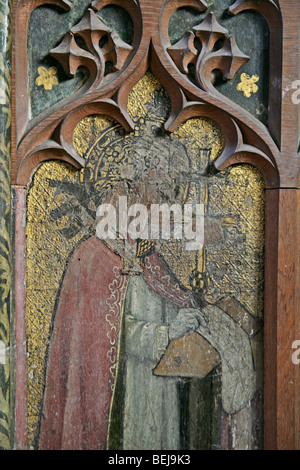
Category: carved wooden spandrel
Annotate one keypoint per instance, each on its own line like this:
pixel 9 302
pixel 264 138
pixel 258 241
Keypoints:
pixel 184 69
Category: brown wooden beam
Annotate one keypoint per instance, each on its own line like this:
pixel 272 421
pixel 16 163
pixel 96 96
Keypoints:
pixel 281 320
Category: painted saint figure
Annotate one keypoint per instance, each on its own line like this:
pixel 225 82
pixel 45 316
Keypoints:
pixel 119 309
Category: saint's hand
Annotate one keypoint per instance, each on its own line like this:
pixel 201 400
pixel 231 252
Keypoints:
pixel 187 321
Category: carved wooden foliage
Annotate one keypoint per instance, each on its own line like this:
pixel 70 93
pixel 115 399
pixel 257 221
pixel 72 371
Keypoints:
pixel 184 69
pixel 199 47
pixel 99 46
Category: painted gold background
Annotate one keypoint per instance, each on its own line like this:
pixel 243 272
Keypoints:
pixel 234 198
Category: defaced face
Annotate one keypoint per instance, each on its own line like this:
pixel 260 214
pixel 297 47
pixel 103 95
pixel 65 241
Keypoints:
pixel 154 174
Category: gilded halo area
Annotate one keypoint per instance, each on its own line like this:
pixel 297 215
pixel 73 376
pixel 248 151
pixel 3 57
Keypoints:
pixel 61 209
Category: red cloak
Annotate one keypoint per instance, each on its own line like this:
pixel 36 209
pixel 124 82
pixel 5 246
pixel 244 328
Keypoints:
pixel 83 350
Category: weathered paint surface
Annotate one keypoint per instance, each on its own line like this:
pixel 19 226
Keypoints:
pixel 5 205
pixel 48 26
pixel 61 214
pixel 20 320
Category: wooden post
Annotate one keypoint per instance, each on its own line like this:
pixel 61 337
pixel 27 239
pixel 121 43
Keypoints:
pixel 20 320
pixel 281 320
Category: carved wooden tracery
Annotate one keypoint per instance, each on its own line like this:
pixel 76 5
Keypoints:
pixel 272 148
pixel 50 135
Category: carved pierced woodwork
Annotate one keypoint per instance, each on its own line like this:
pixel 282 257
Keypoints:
pixel 186 70
pixel 206 47
pixel 100 47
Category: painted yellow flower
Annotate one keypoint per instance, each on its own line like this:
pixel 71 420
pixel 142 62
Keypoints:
pixel 247 84
pixel 47 78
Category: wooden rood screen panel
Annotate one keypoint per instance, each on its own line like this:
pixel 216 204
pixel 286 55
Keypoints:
pixel 149 338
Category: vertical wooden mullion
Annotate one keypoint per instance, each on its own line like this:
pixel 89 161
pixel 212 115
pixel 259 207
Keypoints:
pixel 20 321
pixel 270 319
pixel 286 320
pixel 281 320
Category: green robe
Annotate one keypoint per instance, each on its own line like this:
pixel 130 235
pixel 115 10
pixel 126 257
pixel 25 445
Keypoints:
pixel 151 418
